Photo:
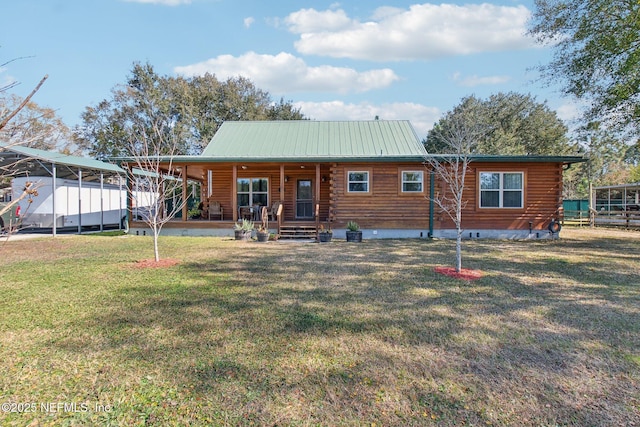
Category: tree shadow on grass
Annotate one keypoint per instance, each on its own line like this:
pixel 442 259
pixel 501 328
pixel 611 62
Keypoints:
pixel 317 332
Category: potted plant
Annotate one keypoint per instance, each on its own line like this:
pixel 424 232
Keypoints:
pixel 324 234
pixel 262 233
pixel 243 230
pixel 354 234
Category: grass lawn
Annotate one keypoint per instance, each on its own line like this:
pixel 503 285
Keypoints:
pixel 320 334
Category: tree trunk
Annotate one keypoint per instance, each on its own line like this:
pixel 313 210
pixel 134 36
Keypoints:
pixel 459 250
pixel 156 252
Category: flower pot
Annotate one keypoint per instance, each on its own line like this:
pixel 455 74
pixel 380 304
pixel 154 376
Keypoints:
pixel 263 236
pixel 324 237
pixel 242 234
pixel 354 236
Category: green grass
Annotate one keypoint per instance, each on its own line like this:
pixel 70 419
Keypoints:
pixel 321 334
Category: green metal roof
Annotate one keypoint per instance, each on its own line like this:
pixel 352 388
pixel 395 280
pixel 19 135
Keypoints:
pixel 297 140
pixel 41 161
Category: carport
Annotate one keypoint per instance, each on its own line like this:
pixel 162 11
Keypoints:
pixel 18 161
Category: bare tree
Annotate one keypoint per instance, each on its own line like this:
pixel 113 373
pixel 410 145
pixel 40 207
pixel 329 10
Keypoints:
pixel 152 176
pixel 457 135
pixel 8 171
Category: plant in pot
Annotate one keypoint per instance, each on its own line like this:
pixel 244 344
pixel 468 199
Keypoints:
pixel 325 234
pixel 354 234
pixel 262 232
pixel 243 230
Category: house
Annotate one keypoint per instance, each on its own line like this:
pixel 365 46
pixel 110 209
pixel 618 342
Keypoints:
pixel 371 172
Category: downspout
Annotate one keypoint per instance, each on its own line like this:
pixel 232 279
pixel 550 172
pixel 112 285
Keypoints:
pixel 431 195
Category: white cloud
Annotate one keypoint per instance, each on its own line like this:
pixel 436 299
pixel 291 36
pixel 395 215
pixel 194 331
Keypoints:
pixel 162 2
pixel 248 22
pixel 421 117
pixel 285 73
pixel 472 81
pixel 310 20
pixel 424 31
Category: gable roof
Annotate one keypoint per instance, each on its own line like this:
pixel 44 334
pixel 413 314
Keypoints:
pixel 295 140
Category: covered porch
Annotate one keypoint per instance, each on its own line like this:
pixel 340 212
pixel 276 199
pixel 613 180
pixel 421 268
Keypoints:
pixel 296 194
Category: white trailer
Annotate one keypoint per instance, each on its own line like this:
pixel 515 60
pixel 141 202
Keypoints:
pixel 78 204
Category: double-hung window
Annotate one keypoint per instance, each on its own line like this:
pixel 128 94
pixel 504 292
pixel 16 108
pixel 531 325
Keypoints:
pixel 358 181
pixel 253 191
pixel 412 181
pixel 501 189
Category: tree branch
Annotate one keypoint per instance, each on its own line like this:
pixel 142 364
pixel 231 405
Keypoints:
pixel 24 102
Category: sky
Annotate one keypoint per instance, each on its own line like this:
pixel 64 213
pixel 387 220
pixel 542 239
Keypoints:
pixel 348 60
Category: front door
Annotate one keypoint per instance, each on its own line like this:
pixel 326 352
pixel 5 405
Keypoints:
pixel 304 199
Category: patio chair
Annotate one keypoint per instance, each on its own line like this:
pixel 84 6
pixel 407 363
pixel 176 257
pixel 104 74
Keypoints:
pixel 245 212
pixel 273 212
pixel 215 210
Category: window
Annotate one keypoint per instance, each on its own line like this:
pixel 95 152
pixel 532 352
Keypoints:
pixel 412 181
pixel 501 189
pixel 253 191
pixel 358 182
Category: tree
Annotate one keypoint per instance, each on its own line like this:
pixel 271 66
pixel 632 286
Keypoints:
pixel 596 57
pixel 35 126
pixel 458 134
pixel 154 138
pixel 198 106
pixel 516 124
pixel 7 114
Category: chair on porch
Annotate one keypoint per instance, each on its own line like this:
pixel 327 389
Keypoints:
pixel 215 210
pixel 273 212
pixel 245 212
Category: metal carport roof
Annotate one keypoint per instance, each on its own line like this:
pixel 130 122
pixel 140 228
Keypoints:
pixel 19 161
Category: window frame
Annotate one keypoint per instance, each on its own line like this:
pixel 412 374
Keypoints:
pixel 368 181
pixel 401 182
pixel 251 192
pixel 501 190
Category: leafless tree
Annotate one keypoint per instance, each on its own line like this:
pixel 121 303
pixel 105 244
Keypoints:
pixel 8 171
pixel 153 178
pixel 458 133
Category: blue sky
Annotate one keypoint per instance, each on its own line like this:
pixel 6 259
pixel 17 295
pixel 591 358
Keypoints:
pixel 348 60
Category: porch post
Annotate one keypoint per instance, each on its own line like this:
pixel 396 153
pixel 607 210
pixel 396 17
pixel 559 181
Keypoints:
pixel 281 183
pixel 185 196
pixel 317 190
pixel 234 192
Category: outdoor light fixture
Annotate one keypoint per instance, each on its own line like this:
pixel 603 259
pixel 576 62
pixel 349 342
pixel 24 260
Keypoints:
pixel 286 178
pixel 324 178
pixel 243 167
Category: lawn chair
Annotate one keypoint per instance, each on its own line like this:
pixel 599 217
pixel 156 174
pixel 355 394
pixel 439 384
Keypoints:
pixel 273 212
pixel 215 210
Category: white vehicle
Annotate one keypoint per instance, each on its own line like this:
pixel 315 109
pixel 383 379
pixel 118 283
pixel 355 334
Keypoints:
pixel 81 206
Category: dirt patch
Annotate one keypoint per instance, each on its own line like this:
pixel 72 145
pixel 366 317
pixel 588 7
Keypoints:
pixel 152 263
pixel 464 273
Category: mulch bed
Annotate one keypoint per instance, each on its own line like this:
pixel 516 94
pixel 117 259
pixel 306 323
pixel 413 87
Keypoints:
pixel 464 273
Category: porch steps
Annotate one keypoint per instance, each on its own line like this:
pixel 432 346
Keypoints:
pixel 298 232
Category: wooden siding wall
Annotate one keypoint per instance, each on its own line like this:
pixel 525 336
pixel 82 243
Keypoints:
pixel 542 199
pixel 223 185
pixel 385 206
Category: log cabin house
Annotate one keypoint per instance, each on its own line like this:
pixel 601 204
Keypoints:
pixel 312 173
